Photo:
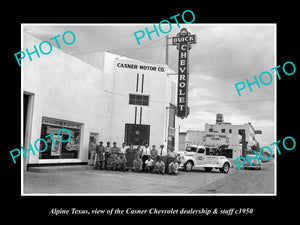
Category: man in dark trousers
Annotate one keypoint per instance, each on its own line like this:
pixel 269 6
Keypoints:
pixel 100 162
pixel 153 155
pixel 107 151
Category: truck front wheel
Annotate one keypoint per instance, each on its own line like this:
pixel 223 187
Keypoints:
pixel 188 166
pixel 225 168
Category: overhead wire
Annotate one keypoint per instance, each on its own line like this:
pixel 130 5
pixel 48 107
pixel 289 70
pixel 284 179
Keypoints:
pixel 162 50
pixel 140 48
pixel 111 50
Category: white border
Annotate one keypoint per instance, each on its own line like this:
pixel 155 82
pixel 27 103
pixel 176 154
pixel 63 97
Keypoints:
pixel 118 194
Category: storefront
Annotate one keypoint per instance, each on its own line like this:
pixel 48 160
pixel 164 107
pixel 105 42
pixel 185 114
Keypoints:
pixel 101 97
pixel 60 150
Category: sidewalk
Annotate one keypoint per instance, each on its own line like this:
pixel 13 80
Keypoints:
pixel 55 169
pixel 86 180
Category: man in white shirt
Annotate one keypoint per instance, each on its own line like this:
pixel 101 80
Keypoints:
pixel 146 150
pixel 124 147
pixel 145 153
pixel 149 164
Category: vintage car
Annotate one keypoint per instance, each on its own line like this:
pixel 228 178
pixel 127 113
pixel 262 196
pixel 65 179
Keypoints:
pixel 195 157
pixel 254 162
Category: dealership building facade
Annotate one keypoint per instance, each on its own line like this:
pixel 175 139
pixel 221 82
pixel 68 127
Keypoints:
pixel 99 96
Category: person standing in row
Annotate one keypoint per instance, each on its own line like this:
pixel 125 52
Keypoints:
pixel 123 149
pixel 153 155
pixel 172 162
pixel 161 149
pixel 93 146
pixel 107 151
pixel 130 156
pixel 100 161
pixel 115 151
pixel 169 157
pixel 138 152
pixel 145 154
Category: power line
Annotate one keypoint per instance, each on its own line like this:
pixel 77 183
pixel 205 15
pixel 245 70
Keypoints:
pixel 110 50
pixel 116 50
pixel 141 47
pixel 230 102
pixel 162 50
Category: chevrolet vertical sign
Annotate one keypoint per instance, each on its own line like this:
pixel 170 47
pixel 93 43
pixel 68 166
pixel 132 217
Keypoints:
pixel 183 40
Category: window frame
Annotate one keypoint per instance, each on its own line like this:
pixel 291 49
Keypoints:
pixel 138 99
pixel 56 123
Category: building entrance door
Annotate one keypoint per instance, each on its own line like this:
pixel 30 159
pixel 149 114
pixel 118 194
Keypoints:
pixel 27 120
pixel 137 134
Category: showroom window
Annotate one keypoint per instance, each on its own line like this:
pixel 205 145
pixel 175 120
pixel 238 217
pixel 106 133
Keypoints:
pixel 62 150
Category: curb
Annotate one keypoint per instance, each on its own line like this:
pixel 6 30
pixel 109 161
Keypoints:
pixel 56 169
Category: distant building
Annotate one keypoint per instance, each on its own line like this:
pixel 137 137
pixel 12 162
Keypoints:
pixel 222 133
pixel 181 141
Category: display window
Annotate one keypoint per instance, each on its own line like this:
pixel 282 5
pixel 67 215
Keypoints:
pixel 62 150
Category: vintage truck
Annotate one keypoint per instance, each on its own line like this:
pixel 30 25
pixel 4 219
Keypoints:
pixel 195 157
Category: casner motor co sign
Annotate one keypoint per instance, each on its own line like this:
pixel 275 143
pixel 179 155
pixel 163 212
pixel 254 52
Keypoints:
pixel 183 40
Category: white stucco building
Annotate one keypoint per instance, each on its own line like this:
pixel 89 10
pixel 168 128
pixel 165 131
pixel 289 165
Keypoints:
pixel 212 139
pixel 221 133
pixel 100 96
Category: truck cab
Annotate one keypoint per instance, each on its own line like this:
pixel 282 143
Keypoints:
pixel 195 157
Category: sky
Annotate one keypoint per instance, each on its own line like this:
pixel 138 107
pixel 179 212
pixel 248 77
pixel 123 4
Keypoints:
pixel 224 55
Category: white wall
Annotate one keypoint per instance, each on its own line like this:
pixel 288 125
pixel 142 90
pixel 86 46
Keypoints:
pixel 250 135
pixel 156 84
pixel 65 88
pixel 69 88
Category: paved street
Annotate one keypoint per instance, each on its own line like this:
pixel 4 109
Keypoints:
pixel 246 181
pixel 90 181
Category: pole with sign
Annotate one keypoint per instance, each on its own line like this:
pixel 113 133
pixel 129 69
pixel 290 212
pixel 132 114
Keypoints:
pixel 183 41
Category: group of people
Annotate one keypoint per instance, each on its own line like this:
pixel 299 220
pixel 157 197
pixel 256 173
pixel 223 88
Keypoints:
pixel 129 158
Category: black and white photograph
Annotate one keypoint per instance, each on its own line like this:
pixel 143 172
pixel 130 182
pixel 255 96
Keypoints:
pixel 165 109
pixel 137 111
